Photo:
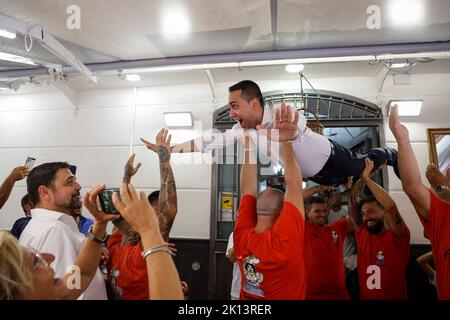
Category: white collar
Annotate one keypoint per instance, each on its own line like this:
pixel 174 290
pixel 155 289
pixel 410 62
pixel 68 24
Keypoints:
pixel 45 214
pixel 267 116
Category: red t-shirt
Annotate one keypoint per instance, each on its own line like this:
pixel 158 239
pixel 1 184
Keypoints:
pixel 127 270
pixel 271 262
pixel 438 230
pixel 382 262
pixel 324 261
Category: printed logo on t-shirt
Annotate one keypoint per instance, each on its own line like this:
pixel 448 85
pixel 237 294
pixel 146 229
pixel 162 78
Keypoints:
pixel 118 291
pixel 380 258
pixel 253 278
pixel 335 237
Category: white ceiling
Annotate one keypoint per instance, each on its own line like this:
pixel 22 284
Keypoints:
pixel 113 30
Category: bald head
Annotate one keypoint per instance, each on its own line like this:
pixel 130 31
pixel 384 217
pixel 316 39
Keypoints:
pixel 269 203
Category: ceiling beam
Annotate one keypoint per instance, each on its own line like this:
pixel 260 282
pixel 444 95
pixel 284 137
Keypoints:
pixel 365 51
pixel 47 41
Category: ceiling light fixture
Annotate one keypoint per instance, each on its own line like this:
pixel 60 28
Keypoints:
pixel 407 108
pixel 404 13
pixel 178 119
pixel 7 34
pixel 294 68
pixel 133 77
pixel 175 24
pixel 16 59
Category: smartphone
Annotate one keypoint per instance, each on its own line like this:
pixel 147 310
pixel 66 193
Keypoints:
pixel 106 203
pixel 30 162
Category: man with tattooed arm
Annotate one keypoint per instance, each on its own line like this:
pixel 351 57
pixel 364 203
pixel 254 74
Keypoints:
pixel 126 268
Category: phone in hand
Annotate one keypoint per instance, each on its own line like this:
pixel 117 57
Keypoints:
pixel 106 203
pixel 29 163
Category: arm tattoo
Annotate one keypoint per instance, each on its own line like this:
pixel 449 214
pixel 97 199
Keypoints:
pixel 167 194
pixel 128 173
pixel 164 154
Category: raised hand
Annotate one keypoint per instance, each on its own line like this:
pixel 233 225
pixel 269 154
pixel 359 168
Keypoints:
pixel 136 210
pixel 90 202
pixel 149 145
pixel 163 145
pixel 130 170
pixel 368 169
pixel 435 177
pixel 397 128
pixel 285 126
pixel 19 173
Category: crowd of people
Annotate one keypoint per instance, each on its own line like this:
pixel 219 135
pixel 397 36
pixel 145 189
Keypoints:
pixel 287 244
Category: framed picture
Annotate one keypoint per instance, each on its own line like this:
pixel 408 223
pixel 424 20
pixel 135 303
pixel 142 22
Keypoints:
pixel 439 148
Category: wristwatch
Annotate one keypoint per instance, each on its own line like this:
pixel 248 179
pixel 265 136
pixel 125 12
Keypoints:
pixel 94 238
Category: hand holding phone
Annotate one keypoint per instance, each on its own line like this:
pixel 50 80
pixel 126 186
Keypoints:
pixel 29 163
pixel 105 197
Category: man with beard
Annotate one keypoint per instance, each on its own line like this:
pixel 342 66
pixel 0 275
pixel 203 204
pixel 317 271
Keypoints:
pixel 56 193
pixel 324 261
pixel 382 240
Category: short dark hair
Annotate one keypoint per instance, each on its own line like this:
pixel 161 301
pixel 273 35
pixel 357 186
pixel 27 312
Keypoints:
pixel 153 197
pixel 43 175
pixel 368 199
pixel 25 200
pixel 312 200
pixel 249 90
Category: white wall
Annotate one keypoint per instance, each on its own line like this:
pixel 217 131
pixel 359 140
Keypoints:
pixel 97 138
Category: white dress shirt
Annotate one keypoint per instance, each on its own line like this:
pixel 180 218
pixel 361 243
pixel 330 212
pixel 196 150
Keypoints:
pixel 311 149
pixel 57 233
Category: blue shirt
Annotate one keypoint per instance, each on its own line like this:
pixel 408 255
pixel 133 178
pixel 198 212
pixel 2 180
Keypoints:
pixel 85 224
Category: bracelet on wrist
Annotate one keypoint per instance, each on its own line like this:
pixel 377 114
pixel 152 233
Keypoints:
pixel 159 248
pixel 91 236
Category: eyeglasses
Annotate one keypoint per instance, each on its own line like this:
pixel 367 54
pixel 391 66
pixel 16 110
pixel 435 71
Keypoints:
pixel 38 260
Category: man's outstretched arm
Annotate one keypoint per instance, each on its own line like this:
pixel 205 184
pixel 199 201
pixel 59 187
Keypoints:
pixel 205 143
pixel 17 174
pixel 409 169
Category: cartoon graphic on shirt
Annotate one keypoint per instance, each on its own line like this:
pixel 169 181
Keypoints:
pixel 335 237
pixel 253 278
pixel 118 291
pixel 380 258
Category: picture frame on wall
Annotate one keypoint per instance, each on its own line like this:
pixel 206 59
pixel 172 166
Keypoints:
pixel 439 147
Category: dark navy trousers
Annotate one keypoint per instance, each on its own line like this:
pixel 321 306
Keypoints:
pixel 344 163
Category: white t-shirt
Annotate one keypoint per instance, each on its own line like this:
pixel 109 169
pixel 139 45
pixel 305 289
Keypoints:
pixel 337 215
pixel 311 149
pixel 236 283
pixel 57 233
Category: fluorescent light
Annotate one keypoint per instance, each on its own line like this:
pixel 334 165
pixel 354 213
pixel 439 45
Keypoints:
pixel 133 77
pixel 176 24
pixel 406 12
pixel 178 119
pixel 7 34
pixel 17 59
pixel 399 65
pixel 408 108
pixel 294 68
